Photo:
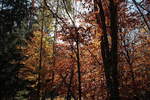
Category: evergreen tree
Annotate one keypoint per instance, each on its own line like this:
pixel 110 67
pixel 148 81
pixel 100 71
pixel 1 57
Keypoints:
pixel 12 14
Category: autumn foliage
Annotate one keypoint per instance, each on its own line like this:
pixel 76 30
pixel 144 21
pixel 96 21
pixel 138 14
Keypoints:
pixel 75 49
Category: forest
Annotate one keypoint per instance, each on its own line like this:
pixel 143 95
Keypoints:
pixel 74 49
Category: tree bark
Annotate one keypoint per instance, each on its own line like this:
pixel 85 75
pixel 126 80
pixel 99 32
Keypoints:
pixel 78 65
pixel 114 50
pixel 109 50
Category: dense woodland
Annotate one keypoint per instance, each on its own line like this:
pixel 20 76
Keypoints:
pixel 74 50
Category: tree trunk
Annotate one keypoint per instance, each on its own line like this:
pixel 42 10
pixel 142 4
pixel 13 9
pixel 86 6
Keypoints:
pixel 39 87
pixel 70 83
pixel 78 64
pixel 109 51
pixel 114 50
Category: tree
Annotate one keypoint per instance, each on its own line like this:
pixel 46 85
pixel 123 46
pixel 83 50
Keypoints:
pixel 11 40
pixel 109 51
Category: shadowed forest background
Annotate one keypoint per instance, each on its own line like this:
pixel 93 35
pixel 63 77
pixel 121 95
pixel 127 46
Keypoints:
pixel 74 50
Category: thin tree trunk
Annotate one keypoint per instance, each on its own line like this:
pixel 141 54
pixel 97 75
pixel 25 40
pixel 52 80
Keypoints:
pixel 78 65
pixel 70 84
pixel 40 58
pixel 69 92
